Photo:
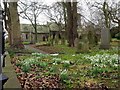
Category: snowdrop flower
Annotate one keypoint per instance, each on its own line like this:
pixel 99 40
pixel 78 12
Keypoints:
pixel 66 62
pixel 56 54
pixel 64 71
pixel 54 63
pixel 73 55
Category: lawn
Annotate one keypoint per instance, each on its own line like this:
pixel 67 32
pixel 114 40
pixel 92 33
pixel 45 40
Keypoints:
pixel 95 69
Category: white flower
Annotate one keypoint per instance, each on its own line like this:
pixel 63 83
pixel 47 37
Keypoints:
pixel 73 55
pixel 66 62
pixel 56 54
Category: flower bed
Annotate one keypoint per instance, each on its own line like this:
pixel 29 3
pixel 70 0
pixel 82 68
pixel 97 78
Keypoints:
pixel 95 70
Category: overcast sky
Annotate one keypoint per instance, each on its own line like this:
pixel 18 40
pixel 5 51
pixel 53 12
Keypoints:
pixel 43 19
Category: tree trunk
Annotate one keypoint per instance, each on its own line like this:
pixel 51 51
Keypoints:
pixel 119 24
pixel 35 33
pixel 15 26
pixel 35 27
pixel 70 24
pixel 65 17
pixel 75 33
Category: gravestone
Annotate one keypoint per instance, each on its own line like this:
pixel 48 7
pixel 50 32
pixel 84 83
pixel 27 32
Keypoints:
pixel 105 38
pixel 82 43
pixel 85 41
pixel 76 42
pixel 91 38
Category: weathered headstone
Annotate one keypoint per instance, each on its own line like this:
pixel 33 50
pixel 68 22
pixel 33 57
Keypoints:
pixel 105 38
pixel 85 41
pixel 83 44
pixel 56 39
pixel 91 38
pixel 76 42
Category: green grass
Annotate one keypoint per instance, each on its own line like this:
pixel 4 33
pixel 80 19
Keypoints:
pixel 73 69
pixel 76 69
pixel 26 43
pixel 65 49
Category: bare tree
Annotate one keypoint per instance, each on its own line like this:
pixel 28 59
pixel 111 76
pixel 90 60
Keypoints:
pixel 55 14
pixel 31 11
pixel 114 11
pixel 104 21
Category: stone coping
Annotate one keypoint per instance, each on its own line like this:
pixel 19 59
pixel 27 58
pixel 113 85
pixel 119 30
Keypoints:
pixel 9 71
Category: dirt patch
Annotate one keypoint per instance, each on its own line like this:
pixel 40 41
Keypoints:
pixel 47 49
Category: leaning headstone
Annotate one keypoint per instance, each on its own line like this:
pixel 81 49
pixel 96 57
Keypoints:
pixel 76 42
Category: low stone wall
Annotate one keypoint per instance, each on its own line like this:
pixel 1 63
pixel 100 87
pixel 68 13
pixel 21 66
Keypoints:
pixel 8 70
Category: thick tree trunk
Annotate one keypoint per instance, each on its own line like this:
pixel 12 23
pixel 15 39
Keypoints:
pixel 15 26
pixel 75 33
pixel 70 25
pixel 71 22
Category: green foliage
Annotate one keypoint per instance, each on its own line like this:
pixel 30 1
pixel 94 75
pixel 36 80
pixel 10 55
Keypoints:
pixel 117 36
pixel 72 68
pixel 18 64
pixel 103 63
pixel 43 64
pixel 40 55
pixel 66 64
pixel 11 52
pixel 54 69
pixel 26 68
pixel 57 60
pixel 45 43
pixel 26 43
pixel 64 75
pixel 65 49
